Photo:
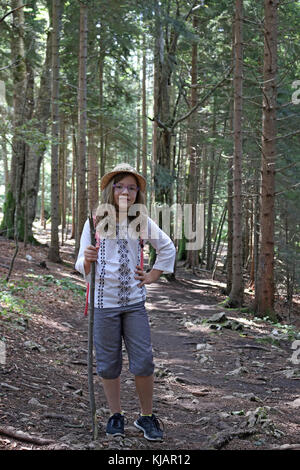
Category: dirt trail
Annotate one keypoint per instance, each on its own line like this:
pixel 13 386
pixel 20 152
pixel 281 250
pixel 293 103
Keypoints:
pixel 228 383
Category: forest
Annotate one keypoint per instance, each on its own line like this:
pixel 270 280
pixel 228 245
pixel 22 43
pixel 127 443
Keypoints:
pixel 201 97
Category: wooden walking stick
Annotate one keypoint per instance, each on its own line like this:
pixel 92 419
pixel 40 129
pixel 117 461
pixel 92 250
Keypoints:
pixel 90 336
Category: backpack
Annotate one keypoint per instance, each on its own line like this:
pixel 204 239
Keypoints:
pixel 88 285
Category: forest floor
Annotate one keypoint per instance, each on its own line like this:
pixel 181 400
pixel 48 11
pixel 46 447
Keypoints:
pixel 224 379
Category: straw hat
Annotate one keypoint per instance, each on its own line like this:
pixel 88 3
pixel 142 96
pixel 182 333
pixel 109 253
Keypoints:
pixel 123 168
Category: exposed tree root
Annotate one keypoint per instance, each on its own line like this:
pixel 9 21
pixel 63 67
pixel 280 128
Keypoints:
pixel 22 436
pixel 222 438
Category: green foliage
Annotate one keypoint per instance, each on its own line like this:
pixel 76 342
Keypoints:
pixel 49 280
pixel 13 308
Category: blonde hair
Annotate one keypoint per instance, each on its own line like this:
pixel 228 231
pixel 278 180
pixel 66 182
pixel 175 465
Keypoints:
pixel 107 196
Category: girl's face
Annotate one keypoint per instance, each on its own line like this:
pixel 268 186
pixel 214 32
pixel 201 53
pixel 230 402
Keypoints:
pixel 125 192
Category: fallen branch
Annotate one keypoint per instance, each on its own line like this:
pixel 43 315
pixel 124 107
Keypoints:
pixel 4 266
pixel 287 447
pixel 251 346
pixel 23 436
pixel 79 363
pixel 56 416
pixel 13 259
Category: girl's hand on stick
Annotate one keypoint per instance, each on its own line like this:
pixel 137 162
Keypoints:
pixel 90 256
pixel 91 253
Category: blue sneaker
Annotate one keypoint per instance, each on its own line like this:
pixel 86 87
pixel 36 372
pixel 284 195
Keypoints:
pixel 150 427
pixel 115 425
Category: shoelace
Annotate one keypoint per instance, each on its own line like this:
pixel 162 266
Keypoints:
pixel 157 422
pixel 116 420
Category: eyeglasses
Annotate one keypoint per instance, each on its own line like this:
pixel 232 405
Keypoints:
pixel 120 188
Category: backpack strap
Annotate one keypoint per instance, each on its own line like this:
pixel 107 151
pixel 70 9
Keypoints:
pixel 87 300
pixel 142 253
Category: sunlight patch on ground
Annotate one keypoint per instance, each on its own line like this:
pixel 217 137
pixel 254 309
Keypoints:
pixel 44 321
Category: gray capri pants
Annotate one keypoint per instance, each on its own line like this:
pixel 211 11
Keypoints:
pixel 110 326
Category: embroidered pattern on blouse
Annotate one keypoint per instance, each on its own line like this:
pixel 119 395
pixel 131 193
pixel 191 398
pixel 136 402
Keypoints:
pixel 124 273
pixel 142 289
pixel 124 270
pixel 102 273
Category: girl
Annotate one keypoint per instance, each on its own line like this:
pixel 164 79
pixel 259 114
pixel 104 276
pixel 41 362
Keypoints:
pixel 120 293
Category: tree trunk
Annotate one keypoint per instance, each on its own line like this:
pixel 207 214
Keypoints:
pixel 93 173
pixel 138 134
pixel 62 175
pixel 192 255
pixel 237 289
pixel 144 113
pixel 256 231
pixel 230 227
pixel 53 254
pixel 36 152
pixel 29 108
pixel 101 100
pixel 73 183
pixel 5 165
pixel 264 296
pixel 15 193
pixel 42 214
pixel 82 124
pixel 209 211
pixel 158 35
pixel 165 58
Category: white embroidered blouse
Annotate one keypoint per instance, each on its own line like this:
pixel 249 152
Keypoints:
pixel 118 257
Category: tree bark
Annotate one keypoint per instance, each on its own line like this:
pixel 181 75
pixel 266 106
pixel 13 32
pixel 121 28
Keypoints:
pixel 82 124
pixel 192 255
pixel 165 57
pixel 138 133
pixel 13 215
pixel 5 165
pixel 158 33
pixel 93 172
pixel 62 175
pixel 36 152
pixel 53 254
pixel 73 183
pixel 237 289
pixel 211 190
pixel 101 101
pixel 42 214
pixel 264 296
pixel 144 113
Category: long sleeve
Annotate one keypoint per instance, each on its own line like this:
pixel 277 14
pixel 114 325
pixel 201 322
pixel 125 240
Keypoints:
pixel 85 240
pixel 165 249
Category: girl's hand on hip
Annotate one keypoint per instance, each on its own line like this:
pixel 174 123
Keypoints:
pixel 146 278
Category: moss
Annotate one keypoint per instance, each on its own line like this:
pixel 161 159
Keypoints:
pixel 7 224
